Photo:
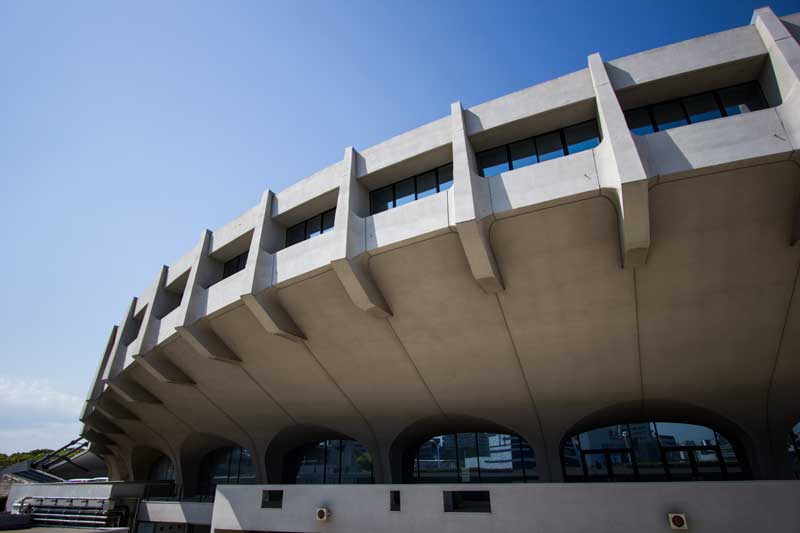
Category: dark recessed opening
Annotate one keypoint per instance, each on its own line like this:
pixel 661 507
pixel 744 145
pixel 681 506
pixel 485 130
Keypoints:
pixel 467 501
pixel 271 499
pixel 394 500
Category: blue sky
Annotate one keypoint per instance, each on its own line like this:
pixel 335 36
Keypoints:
pixel 128 128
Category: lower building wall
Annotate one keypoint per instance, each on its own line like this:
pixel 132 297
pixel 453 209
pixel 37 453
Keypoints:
pixel 198 513
pixel 732 507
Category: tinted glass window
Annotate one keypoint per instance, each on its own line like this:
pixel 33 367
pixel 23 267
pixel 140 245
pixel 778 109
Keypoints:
pixel 793 449
pixel 328 218
pixel 493 162
pixel 549 146
pixel 426 184
pixel 639 121
pixel 162 470
pixel 296 234
pixel 650 451
pixel 474 458
pixel 329 462
pixel 742 99
pixel 523 153
pixel 445 177
pixel 356 463
pixel 313 226
pixel 702 107
pixel 581 137
pixel 225 466
pixel 234 265
pixel 382 199
pixel 669 115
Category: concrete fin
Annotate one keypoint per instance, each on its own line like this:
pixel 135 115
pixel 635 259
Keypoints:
pixel 473 207
pixel 361 288
pixel 101 424
pixel 130 391
pixel 116 361
pixel 206 342
pixel 272 316
pixel 164 370
pixel 621 172
pixel 113 410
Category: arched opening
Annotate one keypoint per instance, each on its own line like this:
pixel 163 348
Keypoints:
pixel 474 457
pixel 652 451
pixel 230 465
pixel 162 469
pixel 793 450
pixel 328 462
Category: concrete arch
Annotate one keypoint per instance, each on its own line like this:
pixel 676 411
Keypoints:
pixel 671 411
pixel 142 459
pixel 291 438
pixel 407 441
pixel 195 447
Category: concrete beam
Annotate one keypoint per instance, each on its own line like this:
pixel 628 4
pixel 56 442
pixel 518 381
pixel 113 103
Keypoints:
pixel 97 383
pixel 352 210
pixel 131 391
pixel 259 296
pixel 113 410
pixel 473 207
pixel 195 296
pixel 206 342
pixel 148 337
pixel 622 176
pixel 784 56
pixel 116 362
pixel 164 370
pixel 101 424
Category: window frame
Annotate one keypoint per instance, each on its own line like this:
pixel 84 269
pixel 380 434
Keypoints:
pixel 305 222
pixel 564 146
pixel 680 100
pixel 237 264
pixel 393 187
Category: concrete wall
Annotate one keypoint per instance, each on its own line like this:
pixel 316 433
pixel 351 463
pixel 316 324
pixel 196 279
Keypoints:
pixel 734 507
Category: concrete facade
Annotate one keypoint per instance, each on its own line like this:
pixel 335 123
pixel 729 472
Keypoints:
pixel 652 277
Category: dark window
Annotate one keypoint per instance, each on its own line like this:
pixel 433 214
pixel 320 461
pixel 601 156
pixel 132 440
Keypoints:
pixel 669 115
pixel 312 227
pixel 569 140
pixel 162 469
pixel 651 451
pixel 225 466
pixel 793 449
pixel 394 500
pixel 474 458
pixel 234 265
pixel 696 108
pixel 329 462
pixel 467 501
pixel 271 499
pixel 410 189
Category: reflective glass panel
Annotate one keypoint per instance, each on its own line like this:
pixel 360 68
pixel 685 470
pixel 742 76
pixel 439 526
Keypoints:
pixel 596 466
pixel 642 438
pixel 497 459
pixel 571 458
pixel 676 434
pixel 680 468
pixel 328 218
pixel 332 464
pixel 382 199
pixel 162 470
pixel 669 115
pixel 310 464
pixel 295 234
pixel 404 192
pixel 445 177
pixel 581 137
pixel 313 226
pixel 707 464
pixel 549 146
pixel 523 153
pixel 247 472
pixel 622 464
pixel 742 99
pixel 436 460
pixel 468 458
pixel 224 466
pixel 493 162
pixel 426 184
pixel 702 107
pixel 639 121
pixel 356 466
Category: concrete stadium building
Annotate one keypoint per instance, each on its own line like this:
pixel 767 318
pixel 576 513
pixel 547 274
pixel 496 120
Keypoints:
pixel 570 308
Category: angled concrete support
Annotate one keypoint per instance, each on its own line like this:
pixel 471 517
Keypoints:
pixel 259 295
pixel 473 207
pixel 156 309
pixel 164 370
pixel 101 424
pixel 113 410
pixel 131 391
pixel 126 333
pixel 623 179
pixel 784 56
pixel 97 384
pixel 206 342
pixel 352 209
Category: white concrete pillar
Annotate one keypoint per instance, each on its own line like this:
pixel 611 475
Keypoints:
pixel 259 294
pixel 350 263
pixel 622 177
pixel 116 362
pixel 473 207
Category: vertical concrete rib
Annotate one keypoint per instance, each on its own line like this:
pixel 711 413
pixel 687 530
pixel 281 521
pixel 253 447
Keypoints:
pixel 97 384
pixel 472 207
pixel 351 260
pixel 259 295
pixel 116 362
pixel 623 179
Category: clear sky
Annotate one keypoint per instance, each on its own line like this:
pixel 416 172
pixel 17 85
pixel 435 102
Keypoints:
pixel 127 128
